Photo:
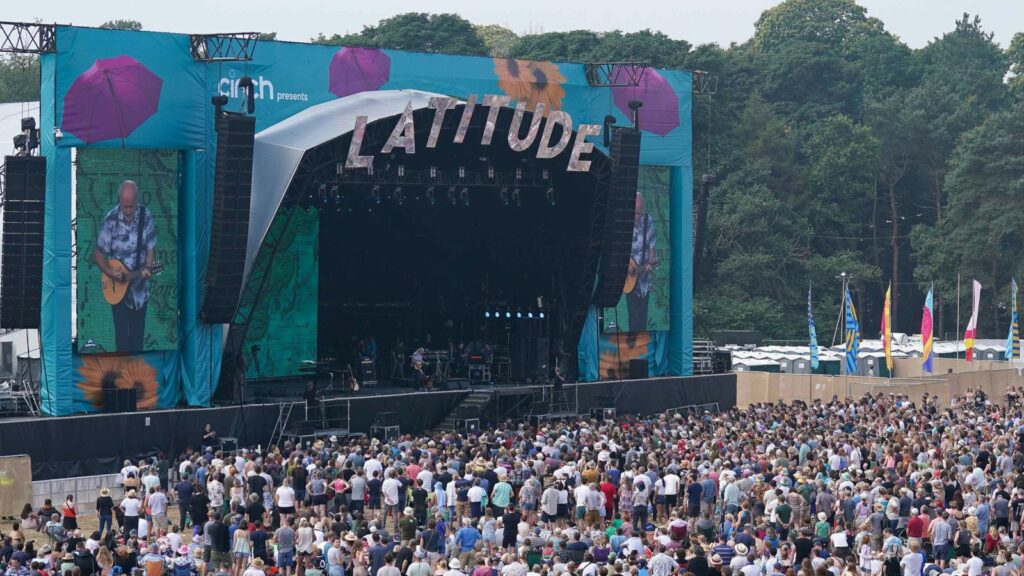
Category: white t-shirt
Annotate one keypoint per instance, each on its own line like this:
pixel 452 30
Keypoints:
pixel 912 564
pixel 580 494
pixel 158 503
pixel 131 506
pixel 143 528
pixel 974 566
pixel 389 489
pixel 671 484
pixel 476 494
pixel 285 496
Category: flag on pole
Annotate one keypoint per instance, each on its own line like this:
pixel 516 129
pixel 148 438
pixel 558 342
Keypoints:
pixel 926 334
pixel 1013 339
pixel 972 326
pixel 852 335
pixel 887 327
pixel 814 335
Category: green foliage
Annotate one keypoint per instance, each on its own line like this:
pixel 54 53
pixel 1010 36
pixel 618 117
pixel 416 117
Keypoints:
pixel 133 25
pixel 498 39
pixel 267 36
pixel 416 32
pixel 654 48
pixel 19 78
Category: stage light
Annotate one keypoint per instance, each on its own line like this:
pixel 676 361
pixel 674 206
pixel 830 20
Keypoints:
pixel 541 314
pixel 517 199
pixel 487 313
pixel 490 172
pixel 544 174
pixel 519 314
pixel 462 172
pixel 465 196
pixel 519 174
pixel 433 172
pixel 551 196
pixel 503 194
pixel 508 314
pixel 529 314
pixel 401 170
pixel 430 196
pixel 452 198
pixel 398 196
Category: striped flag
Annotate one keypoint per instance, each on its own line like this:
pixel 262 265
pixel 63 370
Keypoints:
pixel 972 326
pixel 1013 339
pixel 926 334
pixel 887 327
pixel 852 335
pixel 814 335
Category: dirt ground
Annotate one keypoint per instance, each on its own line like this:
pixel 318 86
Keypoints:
pixel 86 522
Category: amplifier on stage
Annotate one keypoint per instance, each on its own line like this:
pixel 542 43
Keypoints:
pixel 479 373
pixel 368 372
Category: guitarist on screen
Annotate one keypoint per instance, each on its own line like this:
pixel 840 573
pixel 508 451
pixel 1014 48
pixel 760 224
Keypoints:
pixel 125 254
pixel 642 263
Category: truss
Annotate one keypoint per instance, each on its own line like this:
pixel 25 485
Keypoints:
pixel 25 38
pixel 236 46
pixel 704 84
pixel 614 74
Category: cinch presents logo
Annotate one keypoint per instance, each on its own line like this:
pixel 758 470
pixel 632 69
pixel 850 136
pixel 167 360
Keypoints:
pixel 263 89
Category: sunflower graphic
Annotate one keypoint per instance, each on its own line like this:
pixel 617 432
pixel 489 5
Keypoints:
pixel 531 82
pixel 137 373
pixel 619 348
pixel 98 373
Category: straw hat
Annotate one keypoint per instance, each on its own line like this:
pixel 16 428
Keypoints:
pixel 408 511
pixel 716 560
pixel 741 549
pixel 104 491
pixel 350 537
pixel 454 564
pixel 131 493
pixel 257 562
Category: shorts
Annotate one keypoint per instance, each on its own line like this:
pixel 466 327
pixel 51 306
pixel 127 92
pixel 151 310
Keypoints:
pixel 660 499
pixel 374 503
pixel 545 517
pixel 581 512
pixel 672 499
pixel 220 559
pixel 286 509
pixel 563 510
pixel 531 506
pixel 592 516
pixel 355 506
pixel 939 551
pixel 242 554
pixel 318 499
pixel 693 510
pixel 207 551
pixel 286 558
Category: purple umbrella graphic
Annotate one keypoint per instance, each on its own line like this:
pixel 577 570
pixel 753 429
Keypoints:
pixel 356 70
pixel 660 113
pixel 111 99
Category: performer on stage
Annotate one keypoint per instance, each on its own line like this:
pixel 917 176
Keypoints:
pixel 641 265
pixel 127 235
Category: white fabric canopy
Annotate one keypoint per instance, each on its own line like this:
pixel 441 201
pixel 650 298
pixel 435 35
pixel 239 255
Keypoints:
pixel 279 149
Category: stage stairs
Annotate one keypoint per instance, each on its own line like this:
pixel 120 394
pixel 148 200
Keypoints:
pixel 284 412
pixel 703 357
pixel 466 416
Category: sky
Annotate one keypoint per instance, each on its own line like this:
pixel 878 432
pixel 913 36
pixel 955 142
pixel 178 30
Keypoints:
pixel 720 21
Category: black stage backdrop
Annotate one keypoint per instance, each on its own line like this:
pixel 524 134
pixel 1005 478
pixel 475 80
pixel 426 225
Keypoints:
pixel 97 444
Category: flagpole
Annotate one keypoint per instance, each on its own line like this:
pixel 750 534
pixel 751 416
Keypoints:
pixel 846 369
pixel 842 306
pixel 958 315
pixel 810 352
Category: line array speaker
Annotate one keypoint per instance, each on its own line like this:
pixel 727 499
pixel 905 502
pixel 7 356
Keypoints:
pixel 230 227
pixel 21 271
pixel 618 229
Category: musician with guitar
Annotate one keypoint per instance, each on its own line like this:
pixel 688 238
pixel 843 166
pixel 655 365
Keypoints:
pixel 642 264
pixel 125 255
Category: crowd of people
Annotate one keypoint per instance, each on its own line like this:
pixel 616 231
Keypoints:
pixel 878 486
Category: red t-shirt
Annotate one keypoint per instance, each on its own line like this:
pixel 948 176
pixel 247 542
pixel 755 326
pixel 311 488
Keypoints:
pixel 609 495
pixel 915 527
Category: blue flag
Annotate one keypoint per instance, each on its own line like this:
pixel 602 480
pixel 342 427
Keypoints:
pixel 1013 338
pixel 814 335
pixel 852 335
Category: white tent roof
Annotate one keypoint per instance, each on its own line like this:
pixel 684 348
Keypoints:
pixel 279 149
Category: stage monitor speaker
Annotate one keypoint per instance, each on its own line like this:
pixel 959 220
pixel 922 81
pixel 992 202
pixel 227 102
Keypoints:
pixel 127 400
pixel 367 372
pixel 616 246
pixel 111 400
pixel 21 271
pixel 229 232
pixel 638 369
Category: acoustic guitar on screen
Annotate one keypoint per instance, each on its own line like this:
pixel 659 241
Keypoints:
pixel 634 273
pixel 113 289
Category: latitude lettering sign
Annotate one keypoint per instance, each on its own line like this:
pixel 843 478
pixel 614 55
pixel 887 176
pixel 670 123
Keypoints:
pixel 404 133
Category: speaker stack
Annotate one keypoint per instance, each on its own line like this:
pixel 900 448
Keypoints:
pixel 21 271
pixel 617 244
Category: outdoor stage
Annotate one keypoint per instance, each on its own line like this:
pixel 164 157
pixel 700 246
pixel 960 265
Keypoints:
pixel 110 438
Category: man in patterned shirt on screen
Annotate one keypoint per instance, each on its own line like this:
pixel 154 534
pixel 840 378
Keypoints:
pixel 127 234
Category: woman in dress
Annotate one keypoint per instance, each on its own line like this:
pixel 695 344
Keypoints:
pixel 241 549
pixel 70 513
pixel 360 560
pixel 304 538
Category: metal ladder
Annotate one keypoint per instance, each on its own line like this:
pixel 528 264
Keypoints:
pixel 284 412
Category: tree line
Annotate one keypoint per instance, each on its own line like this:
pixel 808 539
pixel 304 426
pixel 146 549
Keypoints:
pixel 835 146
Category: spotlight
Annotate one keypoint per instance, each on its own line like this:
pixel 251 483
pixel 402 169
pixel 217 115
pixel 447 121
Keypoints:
pixel 541 314
pixel 398 196
pixel 503 194
pixel 430 196
pixel 487 313
pixel 452 196
pixel 465 196
pixel 529 314
pixel 462 172
pixel 519 314
pixel 551 196
pixel 516 197
pixel 519 174
pixel 433 172
pixel 508 314
pixel 490 172
pixel 401 170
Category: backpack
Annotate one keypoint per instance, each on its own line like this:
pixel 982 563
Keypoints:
pixel 963 537
pixel 891 566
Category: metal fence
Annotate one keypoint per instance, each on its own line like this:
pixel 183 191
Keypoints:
pixel 85 488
